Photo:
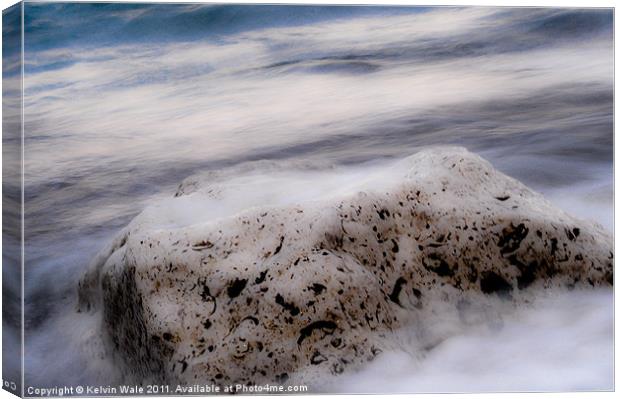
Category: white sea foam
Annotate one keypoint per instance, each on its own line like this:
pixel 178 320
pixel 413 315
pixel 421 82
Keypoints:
pixel 590 201
pixel 562 342
pixel 265 185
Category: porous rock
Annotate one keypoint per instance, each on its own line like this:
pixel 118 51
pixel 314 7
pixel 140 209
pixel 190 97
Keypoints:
pixel 304 292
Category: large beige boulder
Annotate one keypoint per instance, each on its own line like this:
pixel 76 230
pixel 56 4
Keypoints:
pixel 304 290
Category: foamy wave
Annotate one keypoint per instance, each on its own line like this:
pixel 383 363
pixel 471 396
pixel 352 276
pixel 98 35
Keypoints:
pixel 562 341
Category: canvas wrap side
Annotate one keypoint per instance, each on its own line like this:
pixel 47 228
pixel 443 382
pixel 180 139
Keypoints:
pixel 12 199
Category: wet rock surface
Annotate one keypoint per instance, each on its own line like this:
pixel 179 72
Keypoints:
pixel 303 293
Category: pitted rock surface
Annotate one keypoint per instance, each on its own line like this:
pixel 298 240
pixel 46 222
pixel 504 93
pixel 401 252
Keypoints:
pixel 305 292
